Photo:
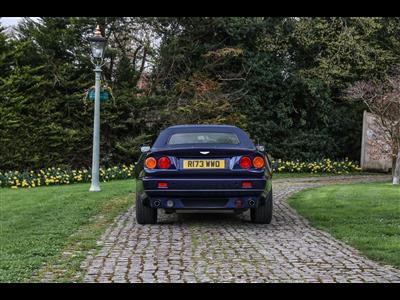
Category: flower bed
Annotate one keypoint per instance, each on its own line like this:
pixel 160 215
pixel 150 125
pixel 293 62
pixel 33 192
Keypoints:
pixel 325 166
pixel 59 176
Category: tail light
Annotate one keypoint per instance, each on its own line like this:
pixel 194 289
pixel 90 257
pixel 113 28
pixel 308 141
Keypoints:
pixel 245 162
pixel 164 162
pixel 258 162
pixel 150 163
pixel 246 185
pixel 162 185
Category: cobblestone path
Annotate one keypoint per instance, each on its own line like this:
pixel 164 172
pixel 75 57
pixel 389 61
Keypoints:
pixel 222 247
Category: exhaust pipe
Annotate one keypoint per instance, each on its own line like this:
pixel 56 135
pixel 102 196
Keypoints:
pixel 157 203
pixel 251 202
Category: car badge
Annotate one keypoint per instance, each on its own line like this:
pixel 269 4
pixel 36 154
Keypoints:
pixel 204 152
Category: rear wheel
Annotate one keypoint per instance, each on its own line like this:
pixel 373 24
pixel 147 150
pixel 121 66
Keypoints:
pixel 263 213
pixel 145 214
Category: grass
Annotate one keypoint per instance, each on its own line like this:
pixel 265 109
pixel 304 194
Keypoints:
pixel 365 216
pixel 39 226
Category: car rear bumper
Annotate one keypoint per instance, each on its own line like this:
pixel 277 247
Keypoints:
pixel 204 193
pixel 205 203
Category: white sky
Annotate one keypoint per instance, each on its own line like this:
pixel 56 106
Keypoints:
pixel 10 21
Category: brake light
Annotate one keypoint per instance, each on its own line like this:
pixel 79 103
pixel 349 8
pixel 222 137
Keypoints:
pixel 258 162
pixel 150 163
pixel 164 162
pixel 162 185
pixel 245 162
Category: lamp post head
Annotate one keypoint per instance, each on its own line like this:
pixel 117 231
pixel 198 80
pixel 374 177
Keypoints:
pixel 98 44
pixel 97 32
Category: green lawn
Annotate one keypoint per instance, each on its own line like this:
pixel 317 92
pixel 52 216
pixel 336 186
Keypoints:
pixel 365 216
pixel 37 225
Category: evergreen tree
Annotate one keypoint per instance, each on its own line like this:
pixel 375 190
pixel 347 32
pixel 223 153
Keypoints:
pixel 280 79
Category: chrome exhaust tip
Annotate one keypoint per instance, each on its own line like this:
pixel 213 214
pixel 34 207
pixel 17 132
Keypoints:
pixel 252 202
pixel 157 203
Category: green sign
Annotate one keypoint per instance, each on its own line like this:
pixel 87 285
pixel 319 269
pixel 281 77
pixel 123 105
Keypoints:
pixel 104 95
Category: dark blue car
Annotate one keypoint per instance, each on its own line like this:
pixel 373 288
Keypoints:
pixel 197 167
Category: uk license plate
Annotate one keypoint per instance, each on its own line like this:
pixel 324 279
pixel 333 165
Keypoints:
pixel 204 164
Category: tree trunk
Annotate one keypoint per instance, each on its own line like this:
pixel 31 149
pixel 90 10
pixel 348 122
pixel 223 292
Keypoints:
pixel 395 150
pixel 396 173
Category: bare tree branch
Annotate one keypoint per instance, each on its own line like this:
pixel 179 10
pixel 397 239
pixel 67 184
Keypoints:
pixel 383 100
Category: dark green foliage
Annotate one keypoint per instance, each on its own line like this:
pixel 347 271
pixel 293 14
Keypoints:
pixel 44 117
pixel 280 79
pixel 282 76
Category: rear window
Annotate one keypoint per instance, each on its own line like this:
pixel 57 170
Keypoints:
pixel 203 138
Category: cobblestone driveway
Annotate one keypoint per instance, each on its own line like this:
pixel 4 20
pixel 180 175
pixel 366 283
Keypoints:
pixel 229 248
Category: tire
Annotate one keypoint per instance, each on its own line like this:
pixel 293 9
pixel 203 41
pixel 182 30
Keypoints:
pixel 263 213
pixel 145 214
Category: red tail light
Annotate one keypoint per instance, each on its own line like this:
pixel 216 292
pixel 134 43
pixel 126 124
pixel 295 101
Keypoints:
pixel 246 184
pixel 245 162
pixel 162 185
pixel 164 162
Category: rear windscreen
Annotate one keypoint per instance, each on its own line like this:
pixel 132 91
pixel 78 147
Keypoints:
pixel 204 138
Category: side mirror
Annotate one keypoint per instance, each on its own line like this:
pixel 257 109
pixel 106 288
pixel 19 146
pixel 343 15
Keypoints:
pixel 145 149
pixel 260 148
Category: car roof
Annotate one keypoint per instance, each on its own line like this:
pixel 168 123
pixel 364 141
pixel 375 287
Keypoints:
pixel 201 126
pixel 162 140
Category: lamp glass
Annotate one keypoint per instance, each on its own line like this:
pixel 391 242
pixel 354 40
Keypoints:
pixel 98 48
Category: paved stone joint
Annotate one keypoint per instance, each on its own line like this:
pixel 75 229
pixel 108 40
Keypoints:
pixel 229 248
